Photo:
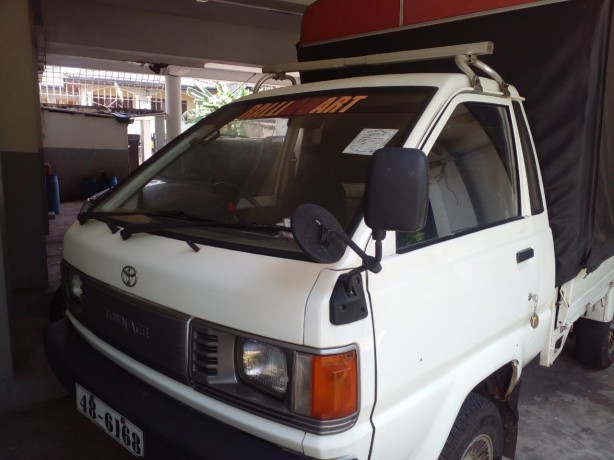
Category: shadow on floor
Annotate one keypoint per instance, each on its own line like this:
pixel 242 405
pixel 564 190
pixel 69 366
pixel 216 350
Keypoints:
pixel 32 379
pixel 46 425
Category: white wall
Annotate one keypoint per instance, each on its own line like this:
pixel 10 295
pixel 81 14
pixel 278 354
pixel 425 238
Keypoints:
pixel 78 131
pixel 79 147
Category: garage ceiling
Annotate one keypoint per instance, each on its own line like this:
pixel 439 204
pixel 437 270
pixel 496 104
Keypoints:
pixel 201 8
pixel 193 37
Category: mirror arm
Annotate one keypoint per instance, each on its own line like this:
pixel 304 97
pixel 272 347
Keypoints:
pixel 370 263
pixel 320 235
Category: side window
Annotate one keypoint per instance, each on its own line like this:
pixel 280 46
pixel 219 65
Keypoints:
pixel 535 195
pixel 472 175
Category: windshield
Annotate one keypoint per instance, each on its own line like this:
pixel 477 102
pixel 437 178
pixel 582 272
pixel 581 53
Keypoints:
pixel 254 162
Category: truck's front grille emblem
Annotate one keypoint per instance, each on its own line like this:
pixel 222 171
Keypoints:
pixel 129 277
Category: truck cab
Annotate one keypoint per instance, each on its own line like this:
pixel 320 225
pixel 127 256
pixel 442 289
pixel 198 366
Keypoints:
pixel 330 270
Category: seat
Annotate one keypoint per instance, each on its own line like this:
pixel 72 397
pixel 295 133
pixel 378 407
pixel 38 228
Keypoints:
pixel 316 181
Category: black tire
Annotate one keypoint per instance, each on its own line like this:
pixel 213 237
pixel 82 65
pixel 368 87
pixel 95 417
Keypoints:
pixel 477 433
pixel 594 343
pixel 57 307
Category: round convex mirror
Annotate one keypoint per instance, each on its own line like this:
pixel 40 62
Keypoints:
pixel 317 232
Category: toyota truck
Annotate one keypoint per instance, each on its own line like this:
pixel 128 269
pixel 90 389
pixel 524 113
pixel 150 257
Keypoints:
pixel 361 265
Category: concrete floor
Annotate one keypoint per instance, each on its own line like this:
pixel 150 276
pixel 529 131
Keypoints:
pixel 566 411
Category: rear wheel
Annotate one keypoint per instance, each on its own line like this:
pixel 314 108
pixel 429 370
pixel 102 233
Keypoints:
pixel 477 433
pixel 594 343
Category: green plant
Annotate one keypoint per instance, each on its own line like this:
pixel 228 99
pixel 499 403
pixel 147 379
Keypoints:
pixel 206 102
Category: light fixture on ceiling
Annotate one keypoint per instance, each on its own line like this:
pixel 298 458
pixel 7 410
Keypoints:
pixel 232 67
pixel 293 7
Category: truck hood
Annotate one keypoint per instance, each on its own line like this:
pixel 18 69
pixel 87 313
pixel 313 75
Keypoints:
pixel 222 286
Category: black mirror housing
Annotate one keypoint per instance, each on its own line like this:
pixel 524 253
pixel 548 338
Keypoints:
pixel 396 191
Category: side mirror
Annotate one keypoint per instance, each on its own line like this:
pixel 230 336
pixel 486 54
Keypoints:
pixel 318 233
pixel 396 198
pixel 321 237
pixel 396 191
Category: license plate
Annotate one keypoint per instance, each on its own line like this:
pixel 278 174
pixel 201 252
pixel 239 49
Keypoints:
pixel 116 425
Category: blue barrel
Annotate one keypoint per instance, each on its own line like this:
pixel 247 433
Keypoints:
pixel 53 193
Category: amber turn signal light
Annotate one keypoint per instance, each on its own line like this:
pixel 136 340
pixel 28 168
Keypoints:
pixel 334 388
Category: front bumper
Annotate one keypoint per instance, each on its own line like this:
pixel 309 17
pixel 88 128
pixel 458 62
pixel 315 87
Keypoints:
pixel 171 429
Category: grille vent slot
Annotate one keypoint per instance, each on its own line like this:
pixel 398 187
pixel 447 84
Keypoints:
pixel 205 345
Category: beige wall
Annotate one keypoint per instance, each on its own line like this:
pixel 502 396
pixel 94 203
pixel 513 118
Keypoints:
pixel 23 263
pixel 19 111
pixel 20 147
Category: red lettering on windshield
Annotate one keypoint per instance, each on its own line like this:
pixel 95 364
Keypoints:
pixel 336 104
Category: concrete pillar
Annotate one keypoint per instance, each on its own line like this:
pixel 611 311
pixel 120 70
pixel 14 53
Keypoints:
pixel 172 92
pixel 21 147
pixel 160 128
pixel 146 139
pixel 23 208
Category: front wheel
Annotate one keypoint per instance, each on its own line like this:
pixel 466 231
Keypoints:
pixel 594 343
pixel 477 433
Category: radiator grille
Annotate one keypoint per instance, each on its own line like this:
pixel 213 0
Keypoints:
pixel 150 333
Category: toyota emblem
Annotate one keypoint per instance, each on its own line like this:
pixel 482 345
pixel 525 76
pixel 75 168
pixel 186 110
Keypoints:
pixel 129 276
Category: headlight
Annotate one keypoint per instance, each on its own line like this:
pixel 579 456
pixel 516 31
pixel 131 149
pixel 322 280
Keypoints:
pixel 264 366
pixel 325 387
pixel 316 390
pixel 73 284
pixel 76 286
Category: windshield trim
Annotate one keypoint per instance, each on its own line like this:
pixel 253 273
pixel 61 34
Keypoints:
pixel 233 246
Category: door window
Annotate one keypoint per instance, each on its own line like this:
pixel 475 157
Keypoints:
pixel 473 179
pixel 530 164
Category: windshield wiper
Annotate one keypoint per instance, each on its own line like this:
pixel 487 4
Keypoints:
pixel 107 217
pixel 103 216
pixel 131 229
pixel 184 220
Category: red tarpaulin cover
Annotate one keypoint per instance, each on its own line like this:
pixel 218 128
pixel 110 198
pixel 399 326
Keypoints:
pixel 330 19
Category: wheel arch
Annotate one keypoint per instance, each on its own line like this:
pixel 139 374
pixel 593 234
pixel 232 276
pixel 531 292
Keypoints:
pixel 502 387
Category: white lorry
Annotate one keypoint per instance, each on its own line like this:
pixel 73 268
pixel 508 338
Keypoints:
pixel 358 267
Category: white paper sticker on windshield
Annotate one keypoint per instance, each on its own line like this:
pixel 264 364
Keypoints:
pixel 369 140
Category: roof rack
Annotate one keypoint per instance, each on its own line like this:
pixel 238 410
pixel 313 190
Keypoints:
pixel 465 56
pixel 464 61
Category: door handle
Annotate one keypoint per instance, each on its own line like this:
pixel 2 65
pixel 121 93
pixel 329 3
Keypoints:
pixel 525 254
